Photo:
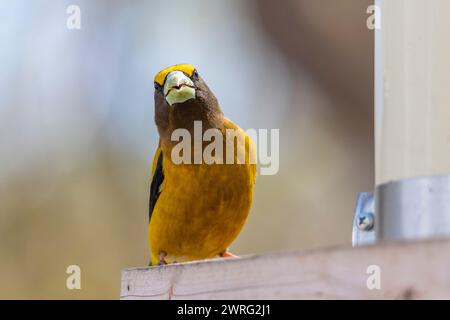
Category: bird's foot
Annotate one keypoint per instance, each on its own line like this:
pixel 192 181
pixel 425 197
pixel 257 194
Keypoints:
pixel 161 261
pixel 228 254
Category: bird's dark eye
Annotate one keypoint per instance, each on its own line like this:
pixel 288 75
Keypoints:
pixel 157 86
pixel 195 73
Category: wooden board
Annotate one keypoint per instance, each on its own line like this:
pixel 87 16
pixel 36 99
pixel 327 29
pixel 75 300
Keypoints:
pixel 418 270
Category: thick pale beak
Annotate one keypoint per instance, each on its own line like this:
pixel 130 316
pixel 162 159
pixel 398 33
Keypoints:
pixel 178 88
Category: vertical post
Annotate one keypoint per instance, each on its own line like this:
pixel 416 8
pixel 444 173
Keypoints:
pixel 412 115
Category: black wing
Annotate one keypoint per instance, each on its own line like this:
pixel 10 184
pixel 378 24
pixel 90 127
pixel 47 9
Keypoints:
pixel 157 180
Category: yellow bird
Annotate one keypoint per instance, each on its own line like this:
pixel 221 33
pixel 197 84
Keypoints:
pixel 196 209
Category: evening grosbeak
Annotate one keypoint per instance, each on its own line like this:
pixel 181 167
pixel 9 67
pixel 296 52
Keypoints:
pixel 196 209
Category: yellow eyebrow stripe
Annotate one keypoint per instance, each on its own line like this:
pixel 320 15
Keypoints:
pixel 161 76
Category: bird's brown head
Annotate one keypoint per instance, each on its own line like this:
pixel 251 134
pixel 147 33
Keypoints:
pixel 182 97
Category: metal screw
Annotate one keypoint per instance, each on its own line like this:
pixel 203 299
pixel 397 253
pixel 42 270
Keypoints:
pixel 365 221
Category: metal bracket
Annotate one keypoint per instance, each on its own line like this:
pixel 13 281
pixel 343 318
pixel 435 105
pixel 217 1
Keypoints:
pixel 414 208
pixel 363 232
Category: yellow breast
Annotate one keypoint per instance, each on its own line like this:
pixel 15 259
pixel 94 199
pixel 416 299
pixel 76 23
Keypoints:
pixel 202 208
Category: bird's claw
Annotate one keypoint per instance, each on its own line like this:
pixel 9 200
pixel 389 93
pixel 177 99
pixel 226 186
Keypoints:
pixel 161 261
pixel 228 254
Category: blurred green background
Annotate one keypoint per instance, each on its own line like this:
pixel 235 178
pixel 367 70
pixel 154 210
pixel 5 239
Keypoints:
pixel 77 131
